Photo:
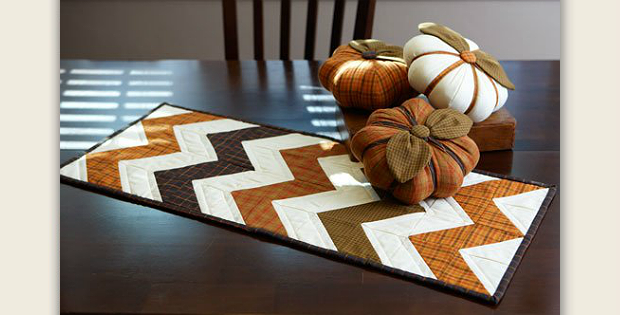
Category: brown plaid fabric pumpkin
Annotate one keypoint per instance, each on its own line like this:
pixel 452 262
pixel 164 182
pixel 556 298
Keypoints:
pixel 367 74
pixel 415 151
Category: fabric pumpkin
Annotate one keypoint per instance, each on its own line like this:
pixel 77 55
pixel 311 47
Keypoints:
pixel 415 151
pixel 367 74
pixel 454 73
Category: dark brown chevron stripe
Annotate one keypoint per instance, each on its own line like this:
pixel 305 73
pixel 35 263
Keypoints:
pixel 345 225
pixel 175 185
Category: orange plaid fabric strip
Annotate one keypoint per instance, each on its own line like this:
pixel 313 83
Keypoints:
pixel 255 204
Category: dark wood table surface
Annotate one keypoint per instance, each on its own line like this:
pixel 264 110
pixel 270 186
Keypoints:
pixel 117 257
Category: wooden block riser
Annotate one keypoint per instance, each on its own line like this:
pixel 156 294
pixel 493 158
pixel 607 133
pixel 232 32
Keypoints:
pixel 494 134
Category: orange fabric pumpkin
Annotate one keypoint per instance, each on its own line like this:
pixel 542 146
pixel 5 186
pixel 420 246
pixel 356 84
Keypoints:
pixel 367 74
pixel 440 175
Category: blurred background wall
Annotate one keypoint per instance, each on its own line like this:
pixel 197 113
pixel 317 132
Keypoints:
pixel 193 29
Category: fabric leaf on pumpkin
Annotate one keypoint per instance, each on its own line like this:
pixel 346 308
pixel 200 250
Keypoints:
pixel 448 123
pixel 406 156
pixel 408 152
pixel 383 51
pixel 446 34
pixel 491 66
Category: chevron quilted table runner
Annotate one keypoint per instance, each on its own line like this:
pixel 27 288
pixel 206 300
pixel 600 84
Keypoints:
pixel 304 189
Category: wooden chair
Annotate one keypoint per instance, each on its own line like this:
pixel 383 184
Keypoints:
pixel 363 27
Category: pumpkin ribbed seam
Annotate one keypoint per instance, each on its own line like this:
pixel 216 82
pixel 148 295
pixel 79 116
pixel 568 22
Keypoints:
pixel 431 168
pixel 334 65
pixel 456 158
pixel 347 91
pixel 409 115
pixel 493 84
pixel 381 97
pixel 389 124
pixel 358 97
pixel 438 52
pixel 371 94
pixel 431 86
pixel 397 85
pixel 374 144
pixel 496 92
pixel 474 97
pixel 367 94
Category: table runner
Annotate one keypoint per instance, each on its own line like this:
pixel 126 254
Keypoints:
pixel 304 190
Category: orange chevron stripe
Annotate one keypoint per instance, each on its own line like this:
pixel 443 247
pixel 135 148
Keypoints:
pixel 255 204
pixel 440 249
pixel 102 167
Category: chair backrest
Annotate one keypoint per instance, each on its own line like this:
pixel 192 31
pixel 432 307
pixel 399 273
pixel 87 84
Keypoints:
pixel 362 30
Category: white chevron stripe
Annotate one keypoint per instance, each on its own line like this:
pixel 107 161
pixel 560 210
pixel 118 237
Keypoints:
pixel 214 194
pixel 131 137
pixel 390 237
pixel 166 111
pixel 299 214
pixel 521 209
pixel 137 176
pixel 490 262
pixel 395 249
pixel 76 169
pixel 476 178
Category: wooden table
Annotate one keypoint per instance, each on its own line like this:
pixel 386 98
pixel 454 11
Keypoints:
pixel 120 257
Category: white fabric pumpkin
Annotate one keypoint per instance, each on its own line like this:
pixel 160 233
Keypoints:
pixel 448 78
